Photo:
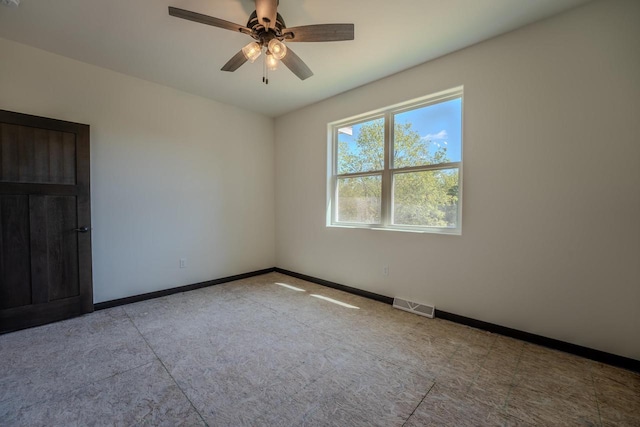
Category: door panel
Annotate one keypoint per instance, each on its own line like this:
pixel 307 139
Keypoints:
pixel 9 152
pixel 54 248
pixel 39 249
pixel 14 251
pixel 35 155
pixel 62 247
pixel 45 199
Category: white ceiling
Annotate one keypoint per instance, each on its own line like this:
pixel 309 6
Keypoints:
pixel 139 38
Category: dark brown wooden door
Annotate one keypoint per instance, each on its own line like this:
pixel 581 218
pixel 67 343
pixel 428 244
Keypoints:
pixel 45 221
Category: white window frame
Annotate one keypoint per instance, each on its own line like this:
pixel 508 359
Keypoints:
pixel 388 172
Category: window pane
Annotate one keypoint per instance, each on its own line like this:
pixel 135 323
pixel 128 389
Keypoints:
pixel 361 147
pixel 359 199
pixel 429 135
pixel 428 198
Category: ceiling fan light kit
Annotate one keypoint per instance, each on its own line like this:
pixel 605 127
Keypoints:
pixel 266 26
pixel 277 48
pixel 272 62
pixel 252 51
pixel 10 3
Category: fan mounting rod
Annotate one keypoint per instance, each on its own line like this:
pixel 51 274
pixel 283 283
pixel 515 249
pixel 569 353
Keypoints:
pixel 267 11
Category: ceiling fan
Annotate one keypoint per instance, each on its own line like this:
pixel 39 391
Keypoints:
pixel 267 28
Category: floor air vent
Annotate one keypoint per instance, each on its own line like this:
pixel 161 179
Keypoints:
pixel 414 307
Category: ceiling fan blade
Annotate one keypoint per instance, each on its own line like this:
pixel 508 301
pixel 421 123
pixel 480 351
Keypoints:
pixel 319 33
pixel 209 20
pixel 235 62
pixel 267 11
pixel 296 65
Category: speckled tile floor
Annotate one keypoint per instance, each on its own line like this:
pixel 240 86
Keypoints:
pixel 257 353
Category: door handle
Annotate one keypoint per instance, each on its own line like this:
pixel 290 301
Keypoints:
pixel 81 229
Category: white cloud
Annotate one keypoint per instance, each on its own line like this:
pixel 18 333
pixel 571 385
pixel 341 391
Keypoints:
pixel 440 135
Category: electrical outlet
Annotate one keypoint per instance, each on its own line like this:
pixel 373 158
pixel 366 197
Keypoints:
pixel 385 270
pixel 183 263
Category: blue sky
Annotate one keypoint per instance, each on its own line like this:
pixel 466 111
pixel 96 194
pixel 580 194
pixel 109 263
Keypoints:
pixel 439 125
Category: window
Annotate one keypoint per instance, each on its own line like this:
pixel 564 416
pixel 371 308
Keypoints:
pixel 399 168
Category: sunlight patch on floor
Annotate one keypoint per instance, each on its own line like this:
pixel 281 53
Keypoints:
pixel 335 301
pixel 293 288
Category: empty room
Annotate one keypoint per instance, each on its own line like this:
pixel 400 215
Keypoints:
pixel 320 213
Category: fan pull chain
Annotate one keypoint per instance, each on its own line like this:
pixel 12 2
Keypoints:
pixel 265 71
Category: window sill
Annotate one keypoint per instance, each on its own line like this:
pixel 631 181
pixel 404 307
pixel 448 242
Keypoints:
pixel 444 231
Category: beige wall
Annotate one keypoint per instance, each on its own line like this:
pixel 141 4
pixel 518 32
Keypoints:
pixel 550 241
pixel 173 175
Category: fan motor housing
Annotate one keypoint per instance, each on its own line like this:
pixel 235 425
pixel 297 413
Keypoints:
pixel 258 28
